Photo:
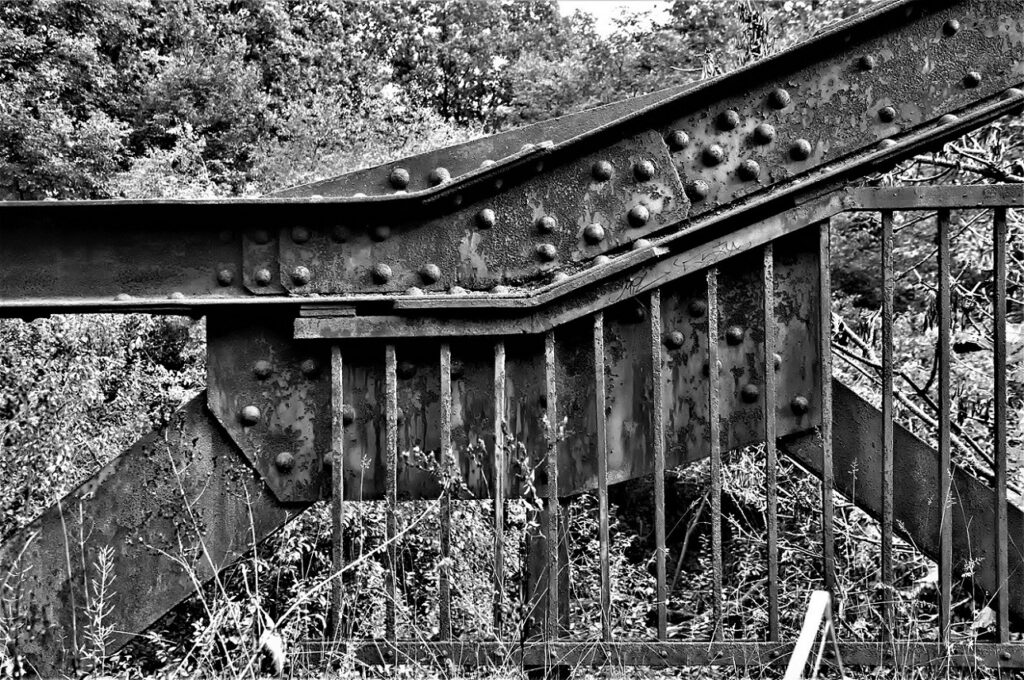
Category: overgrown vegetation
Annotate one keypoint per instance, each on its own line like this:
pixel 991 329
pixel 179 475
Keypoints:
pixel 151 98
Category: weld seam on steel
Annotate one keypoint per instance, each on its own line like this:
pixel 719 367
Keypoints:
pixel 445 461
pixel 888 285
pixel 771 453
pixel 658 417
pixel 828 540
pixel 716 451
pixel 944 477
pixel 601 418
pixel 999 397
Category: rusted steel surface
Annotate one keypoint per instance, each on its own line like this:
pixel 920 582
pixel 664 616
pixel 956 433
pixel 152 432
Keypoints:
pixel 857 428
pixel 174 509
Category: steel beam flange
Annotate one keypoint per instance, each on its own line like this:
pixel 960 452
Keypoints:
pixel 273 398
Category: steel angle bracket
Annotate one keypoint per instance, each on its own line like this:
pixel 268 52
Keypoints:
pixel 272 396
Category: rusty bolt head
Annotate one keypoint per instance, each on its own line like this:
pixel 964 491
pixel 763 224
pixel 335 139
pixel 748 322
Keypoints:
pixel 413 291
pixel 547 224
pixel 887 114
pixel 800 150
pixel 727 120
pixel 972 79
pixel 601 259
pixel 500 290
pixel 300 234
pixel 405 370
pixel 887 143
pixel 779 98
pixel 601 171
pixel 677 140
pixel 284 462
pixel 250 415
pixel 546 252
pixel 439 176
pixel 262 369
pixel 748 170
pixel 775 653
pixel 638 216
pixel 309 367
pixel 486 218
pixel 867 63
pixel 301 275
pixel 643 171
pixel 487 163
pixel 734 335
pixel 381 273
pixel 698 308
pixel 948 118
pixel 262 277
pixel 697 190
pixel 559 277
pixel 381 232
pixel 339 234
pixel 593 233
pixel 457 290
pixel 348 414
pixel 177 296
pixel 713 155
pixel 1005 655
pixel 777 361
pixel 641 243
pixel 399 178
pixel 1013 93
pixel 260 236
pixel 225 277
pixel 951 28
pixel 674 340
pixel 430 273
pixel 750 393
pixel 663 653
pixel 799 405
pixel 764 133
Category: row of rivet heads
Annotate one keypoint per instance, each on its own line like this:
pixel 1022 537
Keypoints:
pixel 749 393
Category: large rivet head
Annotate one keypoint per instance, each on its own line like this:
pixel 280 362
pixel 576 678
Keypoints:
pixel 641 244
pixel 593 233
pixel 1005 655
pixel 413 291
pixel 225 277
pixel 677 140
pixel 399 178
pixel 638 216
pixel 972 79
pixel 601 171
pixel 309 367
pixel 439 176
pixel 948 118
pixel 697 190
pixel 698 308
pixel 547 224
pixel 300 234
pixel 951 28
pixel 887 114
pixel 777 361
pixel 486 218
pixel 381 232
pixel 750 393
pixel 674 340
pixel 601 260
pixel 250 415
pixel 886 144
pixel 260 236
pixel 734 335
pixel 348 414
pixel 546 252
pixel 262 369
pixel 1014 93
pixel 764 133
pixel 262 277
pixel 301 275
pixel 430 273
pixel 779 98
pixel 727 120
pixel 713 155
pixel 867 63
pixel 800 150
pixel 284 462
pixel 643 171
pixel 748 170
pixel 500 289
pixel 799 405
pixel 381 273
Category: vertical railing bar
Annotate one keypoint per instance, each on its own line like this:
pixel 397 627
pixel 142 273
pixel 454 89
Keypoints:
pixel 945 416
pixel 888 284
pixel 499 484
pixel 828 540
pixel 551 420
pixel 391 490
pixel 445 462
pixel 337 488
pixel 999 396
pixel 657 398
pixel 771 454
pixel 602 476
pixel 716 451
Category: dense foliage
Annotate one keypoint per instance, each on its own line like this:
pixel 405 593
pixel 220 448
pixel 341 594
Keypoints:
pixel 149 98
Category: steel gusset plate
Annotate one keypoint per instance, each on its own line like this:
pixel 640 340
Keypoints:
pixel 519 236
pixel 272 395
pixel 174 509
